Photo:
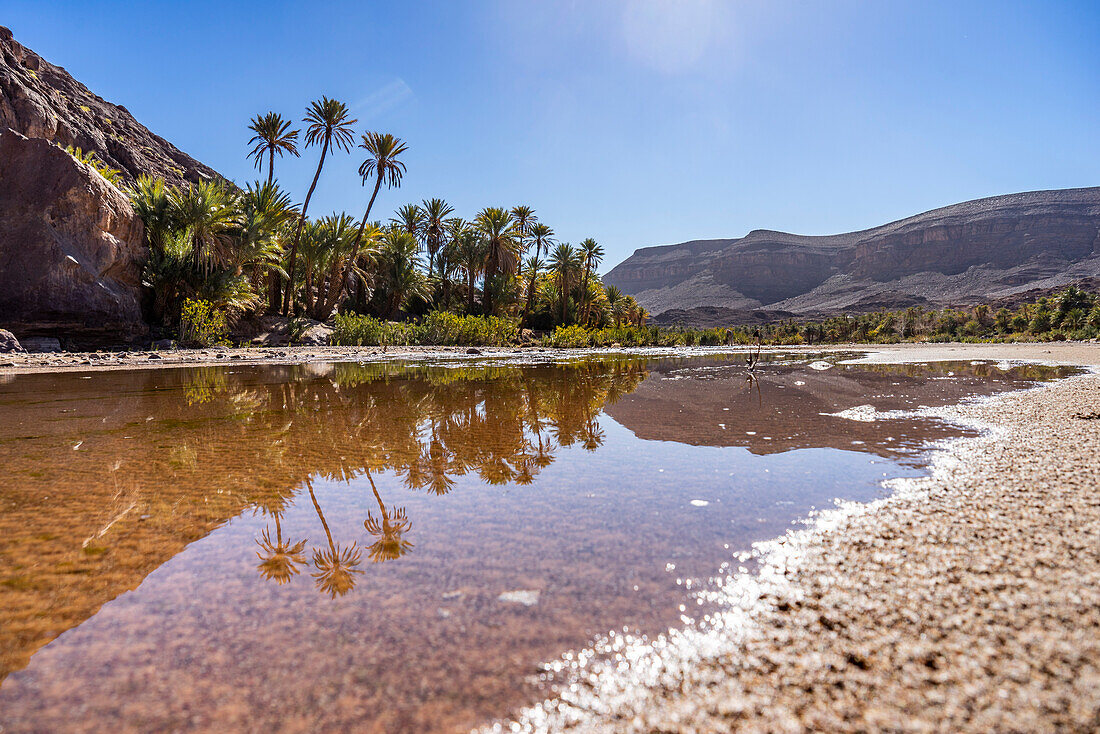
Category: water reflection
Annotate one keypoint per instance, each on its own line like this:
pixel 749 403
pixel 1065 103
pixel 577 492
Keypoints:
pixel 415 538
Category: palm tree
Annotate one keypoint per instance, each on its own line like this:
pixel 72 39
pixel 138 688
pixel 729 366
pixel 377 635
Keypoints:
pixel 209 210
pixel 152 204
pixel 329 126
pixel 544 237
pixel 409 219
pixel 592 254
pixel 533 266
pixel 470 252
pixel 344 258
pixel 273 135
pixel 563 263
pixel 435 213
pixel 264 212
pixel 501 248
pixel 399 273
pixel 383 162
pixel 525 219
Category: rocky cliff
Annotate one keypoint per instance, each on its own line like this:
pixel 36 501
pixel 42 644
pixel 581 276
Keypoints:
pixel 974 251
pixel 70 247
pixel 41 100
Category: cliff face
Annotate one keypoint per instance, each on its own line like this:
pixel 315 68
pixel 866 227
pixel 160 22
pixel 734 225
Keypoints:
pixel 70 247
pixel 41 100
pixel 976 250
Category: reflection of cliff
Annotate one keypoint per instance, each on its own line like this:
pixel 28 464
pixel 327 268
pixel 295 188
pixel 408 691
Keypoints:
pixel 788 407
pixel 107 478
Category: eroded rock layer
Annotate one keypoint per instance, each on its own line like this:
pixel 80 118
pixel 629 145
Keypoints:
pixel 969 252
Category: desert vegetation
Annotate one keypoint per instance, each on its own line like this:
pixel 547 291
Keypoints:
pixel 425 274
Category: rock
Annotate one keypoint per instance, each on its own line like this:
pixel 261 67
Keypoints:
pixel 316 335
pixel 8 342
pixel 41 344
pixel 969 252
pixel 41 100
pixel 526 597
pixel 70 247
pixel 165 344
pixel 472 350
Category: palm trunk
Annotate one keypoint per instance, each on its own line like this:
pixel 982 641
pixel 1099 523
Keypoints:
pixel 270 166
pixel 530 300
pixel 584 294
pixel 359 234
pixel 288 297
pixel 469 291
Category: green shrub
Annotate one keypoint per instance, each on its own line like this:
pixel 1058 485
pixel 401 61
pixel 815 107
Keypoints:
pixel 570 337
pixel 450 329
pixel 354 330
pixel 202 325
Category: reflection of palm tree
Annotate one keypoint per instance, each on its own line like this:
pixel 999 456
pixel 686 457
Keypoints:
pixel 335 566
pixel 390 543
pixel 279 560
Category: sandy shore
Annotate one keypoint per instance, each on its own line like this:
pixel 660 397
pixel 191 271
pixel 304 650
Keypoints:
pixel 18 363
pixel 969 601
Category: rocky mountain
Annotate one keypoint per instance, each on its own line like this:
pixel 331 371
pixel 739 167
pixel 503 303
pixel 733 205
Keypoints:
pixel 975 251
pixel 40 100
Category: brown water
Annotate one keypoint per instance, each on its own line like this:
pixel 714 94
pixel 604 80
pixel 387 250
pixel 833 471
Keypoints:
pixel 390 548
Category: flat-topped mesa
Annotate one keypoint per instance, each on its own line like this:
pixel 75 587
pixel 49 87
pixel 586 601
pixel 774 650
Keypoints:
pixel 969 252
pixel 40 100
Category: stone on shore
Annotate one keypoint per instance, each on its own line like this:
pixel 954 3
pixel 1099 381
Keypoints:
pixel 8 342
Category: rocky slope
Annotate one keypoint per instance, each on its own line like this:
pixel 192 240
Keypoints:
pixel 70 247
pixel 41 100
pixel 974 251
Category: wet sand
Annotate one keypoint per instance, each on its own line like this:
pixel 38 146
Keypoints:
pixel 1069 353
pixel 968 601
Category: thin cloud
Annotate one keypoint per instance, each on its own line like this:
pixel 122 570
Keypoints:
pixel 384 99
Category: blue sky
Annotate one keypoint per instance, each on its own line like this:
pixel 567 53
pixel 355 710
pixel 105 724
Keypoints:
pixel 636 122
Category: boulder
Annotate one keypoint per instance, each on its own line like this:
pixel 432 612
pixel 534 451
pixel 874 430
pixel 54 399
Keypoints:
pixel 71 247
pixel 316 335
pixel 8 342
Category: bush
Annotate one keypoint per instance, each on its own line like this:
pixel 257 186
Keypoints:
pixel 354 330
pixel 570 337
pixel 449 329
pixel 202 325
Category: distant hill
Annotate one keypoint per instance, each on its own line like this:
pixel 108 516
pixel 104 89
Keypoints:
pixel 40 100
pixel 980 250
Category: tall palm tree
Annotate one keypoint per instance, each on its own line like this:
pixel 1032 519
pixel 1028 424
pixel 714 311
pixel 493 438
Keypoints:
pixel 525 219
pixel 435 212
pixel 533 266
pixel 501 248
pixel 273 136
pixel 592 255
pixel 564 263
pixel 330 126
pixel 470 252
pixel 383 161
pixel 544 237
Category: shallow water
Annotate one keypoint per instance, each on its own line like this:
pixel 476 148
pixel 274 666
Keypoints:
pixel 398 547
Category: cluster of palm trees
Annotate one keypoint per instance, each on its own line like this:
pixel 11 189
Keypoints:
pixel 254 250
